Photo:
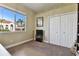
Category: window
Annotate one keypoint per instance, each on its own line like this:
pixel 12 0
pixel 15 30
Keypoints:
pixel 20 25
pixel 11 21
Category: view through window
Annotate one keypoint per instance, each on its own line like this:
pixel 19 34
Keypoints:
pixel 11 21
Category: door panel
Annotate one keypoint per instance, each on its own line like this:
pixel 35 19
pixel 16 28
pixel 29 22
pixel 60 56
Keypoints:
pixel 74 27
pixel 66 29
pixel 55 30
pixel 63 29
pixel 69 21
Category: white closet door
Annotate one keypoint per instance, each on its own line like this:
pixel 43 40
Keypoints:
pixel 74 38
pixel 63 29
pixel 71 29
pixel 67 22
pixel 55 30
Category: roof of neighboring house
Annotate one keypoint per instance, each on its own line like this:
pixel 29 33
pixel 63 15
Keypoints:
pixel 5 21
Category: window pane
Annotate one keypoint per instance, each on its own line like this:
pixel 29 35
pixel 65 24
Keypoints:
pixel 1 26
pixel 0 13
pixel 20 22
pixel 8 19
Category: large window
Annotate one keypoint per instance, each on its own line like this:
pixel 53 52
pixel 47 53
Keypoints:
pixel 11 21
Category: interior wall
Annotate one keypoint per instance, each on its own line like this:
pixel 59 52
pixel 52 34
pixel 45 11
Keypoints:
pixel 14 37
pixel 64 9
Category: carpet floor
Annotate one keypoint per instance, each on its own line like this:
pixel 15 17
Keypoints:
pixel 34 48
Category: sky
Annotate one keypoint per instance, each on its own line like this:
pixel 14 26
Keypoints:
pixel 10 15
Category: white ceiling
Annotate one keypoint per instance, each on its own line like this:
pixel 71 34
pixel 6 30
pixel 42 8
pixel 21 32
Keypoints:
pixel 39 7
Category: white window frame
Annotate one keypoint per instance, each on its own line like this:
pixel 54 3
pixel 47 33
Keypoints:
pixel 16 11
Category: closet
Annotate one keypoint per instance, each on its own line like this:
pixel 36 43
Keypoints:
pixel 63 29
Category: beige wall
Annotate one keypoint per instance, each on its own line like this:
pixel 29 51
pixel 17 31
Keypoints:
pixel 60 10
pixel 11 38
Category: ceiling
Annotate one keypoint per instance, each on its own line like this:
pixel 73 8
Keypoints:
pixel 40 7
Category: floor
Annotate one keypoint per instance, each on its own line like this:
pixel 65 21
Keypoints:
pixel 34 48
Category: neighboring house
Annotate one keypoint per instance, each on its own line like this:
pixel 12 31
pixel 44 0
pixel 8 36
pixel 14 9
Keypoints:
pixel 7 25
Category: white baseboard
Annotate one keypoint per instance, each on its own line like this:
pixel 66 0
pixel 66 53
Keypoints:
pixel 45 41
pixel 12 45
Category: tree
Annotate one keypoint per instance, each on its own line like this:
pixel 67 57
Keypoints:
pixel 20 22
